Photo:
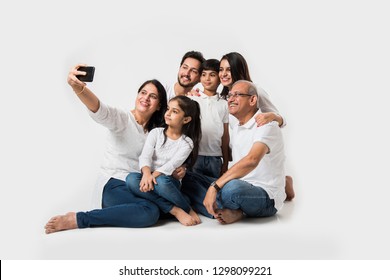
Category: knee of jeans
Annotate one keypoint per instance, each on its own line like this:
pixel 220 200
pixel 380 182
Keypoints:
pixel 164 184
pixel 132 180
pixel 230 190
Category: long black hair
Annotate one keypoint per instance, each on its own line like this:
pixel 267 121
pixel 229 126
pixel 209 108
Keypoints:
pixel 192 129
pixel 157 119
pixel 238 69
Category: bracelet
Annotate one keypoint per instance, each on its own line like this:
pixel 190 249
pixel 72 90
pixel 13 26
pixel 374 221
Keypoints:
pixel 81 91
pixel 215 185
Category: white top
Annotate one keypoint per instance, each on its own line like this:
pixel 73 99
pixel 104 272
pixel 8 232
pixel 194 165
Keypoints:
pixel 125 141
pixel 164 157
pixel 170 89
pixel 269 173
pixel 263 103
pixel 214 114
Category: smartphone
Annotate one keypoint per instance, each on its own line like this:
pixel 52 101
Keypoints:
pixel 90 70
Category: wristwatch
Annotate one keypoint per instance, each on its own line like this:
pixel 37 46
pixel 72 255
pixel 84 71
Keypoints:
pixel 215 185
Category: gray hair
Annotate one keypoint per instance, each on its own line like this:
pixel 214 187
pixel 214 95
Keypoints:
pixel 252 90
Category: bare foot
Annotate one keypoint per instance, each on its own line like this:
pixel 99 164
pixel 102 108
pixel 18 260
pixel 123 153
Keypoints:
pixel 182 216
pixel 195 216
pixel 289 189
pixel 62 222
pixel 229 216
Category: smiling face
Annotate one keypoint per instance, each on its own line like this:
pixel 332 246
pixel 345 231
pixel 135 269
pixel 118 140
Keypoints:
pixel 241 104
pixel 225 74
pixel 148 99
pixel 188 75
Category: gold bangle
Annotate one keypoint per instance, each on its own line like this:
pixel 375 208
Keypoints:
pixel 80 91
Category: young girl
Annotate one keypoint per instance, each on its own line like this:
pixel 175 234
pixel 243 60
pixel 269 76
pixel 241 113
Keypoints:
pixel 166 149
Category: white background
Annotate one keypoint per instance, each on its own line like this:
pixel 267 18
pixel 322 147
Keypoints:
pixel 324 63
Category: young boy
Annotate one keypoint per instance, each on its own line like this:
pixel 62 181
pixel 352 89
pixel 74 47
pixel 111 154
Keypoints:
pixel 214 122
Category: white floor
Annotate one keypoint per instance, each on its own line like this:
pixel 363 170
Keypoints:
pixel 294 233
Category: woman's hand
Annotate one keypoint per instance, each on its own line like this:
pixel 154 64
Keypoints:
pixel 75 83
pixel 264 118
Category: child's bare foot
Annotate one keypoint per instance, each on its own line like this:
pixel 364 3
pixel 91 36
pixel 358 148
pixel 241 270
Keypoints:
pixel 289 189
pixel 182 216
pixel 195 216
pixel 229 216
pixel 62 222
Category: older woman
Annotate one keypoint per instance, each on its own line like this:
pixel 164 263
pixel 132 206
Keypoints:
pixel 127 134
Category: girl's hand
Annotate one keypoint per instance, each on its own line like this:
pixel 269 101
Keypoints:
pixel 147 183
pixel 179 172
pixel 155 174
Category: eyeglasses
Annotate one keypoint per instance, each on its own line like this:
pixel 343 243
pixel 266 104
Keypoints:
pixel 236 94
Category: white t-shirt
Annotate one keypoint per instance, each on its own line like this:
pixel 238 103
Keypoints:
pixel 214 114
pixel 269 173
pixel 164 157
pixel 125 141
pixel 170 89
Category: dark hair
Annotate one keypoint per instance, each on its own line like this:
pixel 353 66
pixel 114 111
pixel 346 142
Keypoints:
pixel 157 119
pixel 210 64
pixel 191 129
pixel 193 54
pixel 238 69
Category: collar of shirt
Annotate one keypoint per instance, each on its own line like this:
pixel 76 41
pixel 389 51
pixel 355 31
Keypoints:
pixel 249 124
pixel 205 96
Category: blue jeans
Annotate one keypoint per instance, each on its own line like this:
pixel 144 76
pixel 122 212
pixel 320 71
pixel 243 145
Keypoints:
pixel 236 194
pixel 165 195
pixel 195 186
pixel 253 201
pixel 208 165
pixel 120 208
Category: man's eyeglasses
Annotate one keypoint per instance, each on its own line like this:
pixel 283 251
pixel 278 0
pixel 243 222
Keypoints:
pixel 236 94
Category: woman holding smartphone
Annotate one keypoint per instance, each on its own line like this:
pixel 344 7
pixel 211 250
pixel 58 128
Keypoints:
pixel 127 135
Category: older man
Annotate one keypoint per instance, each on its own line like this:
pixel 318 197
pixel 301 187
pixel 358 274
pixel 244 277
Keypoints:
pixel 254 185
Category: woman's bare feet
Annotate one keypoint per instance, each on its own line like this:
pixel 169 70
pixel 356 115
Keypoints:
pixel 62 222
pixel 229 216
pixel 195 216
pixel 183 217
pixel 289 189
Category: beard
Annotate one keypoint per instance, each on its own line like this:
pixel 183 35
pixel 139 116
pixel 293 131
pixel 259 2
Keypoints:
pixel 186 85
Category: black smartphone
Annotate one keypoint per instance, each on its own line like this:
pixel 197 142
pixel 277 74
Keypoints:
pixel 90 70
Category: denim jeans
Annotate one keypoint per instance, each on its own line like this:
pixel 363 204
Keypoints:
pixel 208 165
pixel 236 194
pixel 195 186
pixel 120 208
pixel 252 200
pixel 165 195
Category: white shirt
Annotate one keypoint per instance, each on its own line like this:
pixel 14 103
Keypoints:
pixel 269 173
pixel 125 141
pixel 164 157
pixel 214 114
pixel 170 89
